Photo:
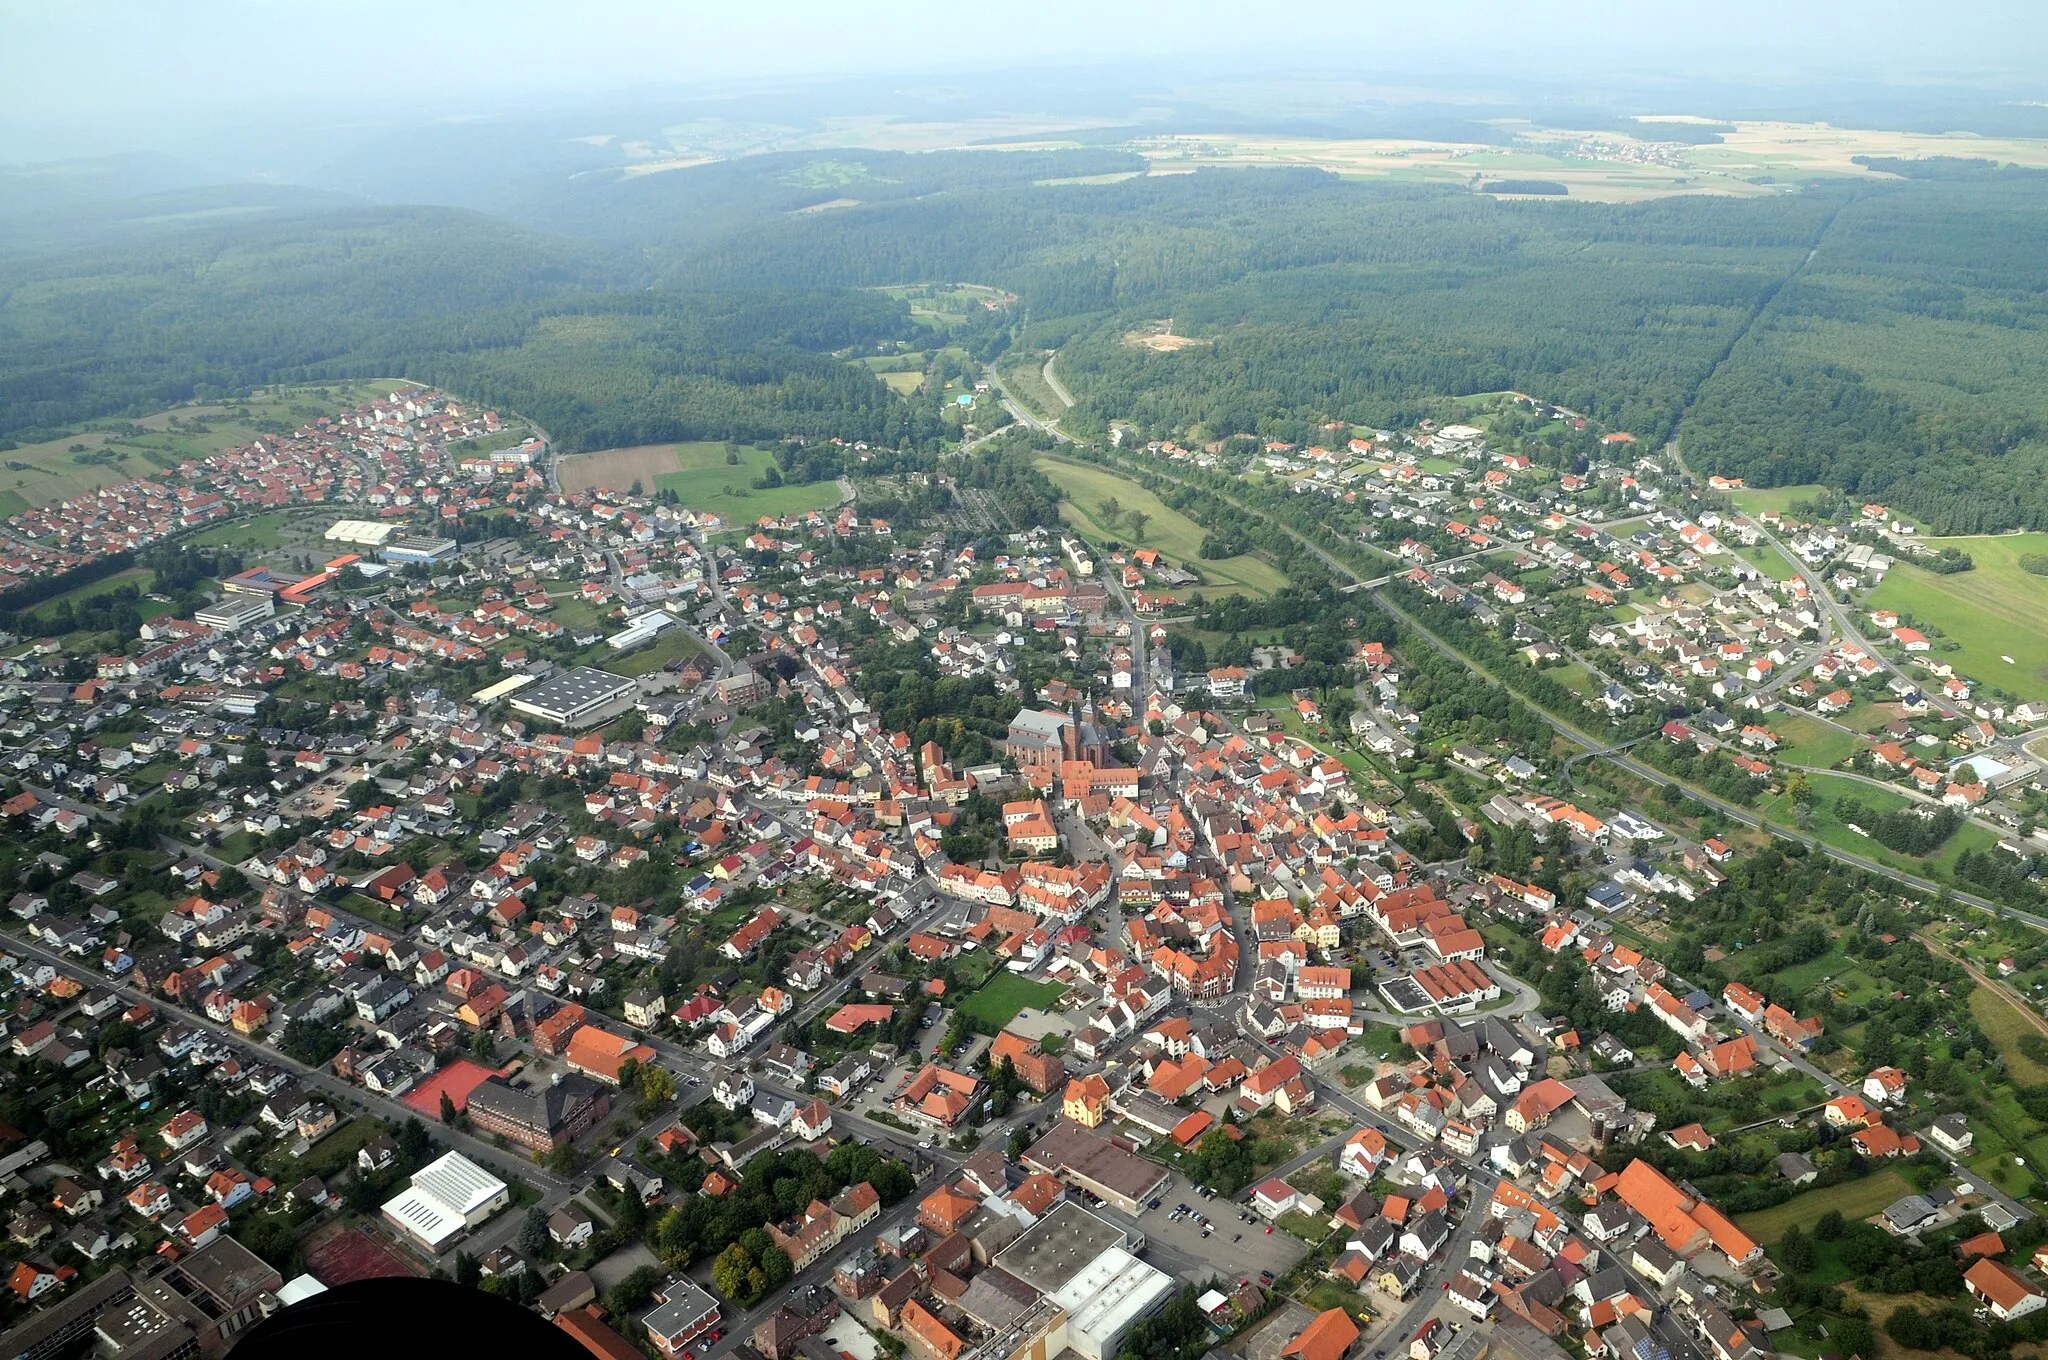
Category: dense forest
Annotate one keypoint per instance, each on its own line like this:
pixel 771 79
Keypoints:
pixel 1882 337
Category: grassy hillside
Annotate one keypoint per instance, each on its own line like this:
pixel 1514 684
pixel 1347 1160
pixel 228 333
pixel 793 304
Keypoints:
pixel 1987 614
pixel 1089 489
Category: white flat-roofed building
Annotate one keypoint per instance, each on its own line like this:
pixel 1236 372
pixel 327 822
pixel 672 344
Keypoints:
pixel 448 1197
pixel 1107 1299
pixel 410 548
pixel 236 612
pixel 644 628
pixel 578 698
pixel 490 694
pixel 364 532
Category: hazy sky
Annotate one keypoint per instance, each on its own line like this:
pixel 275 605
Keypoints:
pixel 109 72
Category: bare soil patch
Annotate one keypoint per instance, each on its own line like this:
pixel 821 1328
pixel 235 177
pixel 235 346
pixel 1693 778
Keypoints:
pixel 617 469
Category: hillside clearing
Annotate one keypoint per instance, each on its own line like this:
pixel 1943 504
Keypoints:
pixel 1166 529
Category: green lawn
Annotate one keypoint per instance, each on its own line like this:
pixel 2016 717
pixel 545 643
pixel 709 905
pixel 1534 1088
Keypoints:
pixel 139 577
pixel 1573 677
pixel 1768 560
pixel 1773 498
pixel 705 481
pixel 670 646
pixel 1166 529
pixel 1992 612
pixel 1004 994
pixel 259 533
pixel 1808 742
pixel 1853 1199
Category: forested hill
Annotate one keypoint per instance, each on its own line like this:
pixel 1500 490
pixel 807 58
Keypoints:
pixel 659 216
pixel 1318 298
pixel 1882 336
pixel 1904 360
pixel 552 327
pixel 133 328
pixel 1907 363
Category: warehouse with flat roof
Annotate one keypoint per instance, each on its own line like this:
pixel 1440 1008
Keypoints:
pixel 366 533
pixel 448 1197
pixel 236 612
pixel 1060 1245
pixel 409 548
pixel 1108 1299
pixel 578 698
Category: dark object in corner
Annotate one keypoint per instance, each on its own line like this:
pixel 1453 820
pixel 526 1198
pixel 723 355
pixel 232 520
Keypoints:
pixel 397 1319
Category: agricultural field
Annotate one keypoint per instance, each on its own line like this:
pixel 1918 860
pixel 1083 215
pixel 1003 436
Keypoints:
pixel 1852 1199
pixel 1757 159
pixel 903 373
pixel 1600 181
pixel 1995 611
pixel 997 1002
pixel 108 451
pixel 1166 529
pixel 698 473
pixel 618 469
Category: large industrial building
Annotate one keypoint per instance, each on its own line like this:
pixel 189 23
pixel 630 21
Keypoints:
pixel 1095 1291
pixel 448 1197
pixel 236 612
pixel 578 698
pixel 363 533
pixel 409 548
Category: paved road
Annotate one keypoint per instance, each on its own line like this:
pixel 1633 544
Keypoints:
pixel 1021 413
pixel 339 1093
pixel 1059 389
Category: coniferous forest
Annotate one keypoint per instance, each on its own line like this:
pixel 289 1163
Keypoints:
pixel 1884 337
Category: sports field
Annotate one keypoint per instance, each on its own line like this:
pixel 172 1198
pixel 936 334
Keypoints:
pixel 1166 529
pixel 1996 611
pixel 457 1079
pixel 672 645
pixel 1003 995
pixel 352 1254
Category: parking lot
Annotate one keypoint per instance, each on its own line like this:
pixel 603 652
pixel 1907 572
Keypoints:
pixel 1235 1250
